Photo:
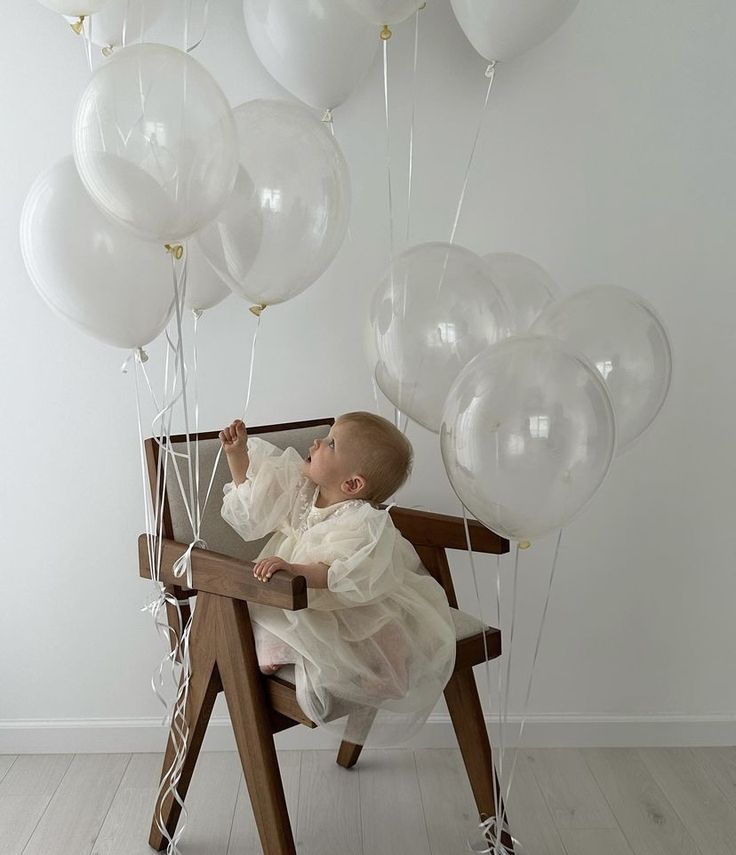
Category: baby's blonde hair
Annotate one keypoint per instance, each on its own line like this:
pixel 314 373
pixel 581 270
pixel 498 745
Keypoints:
pixel 383 452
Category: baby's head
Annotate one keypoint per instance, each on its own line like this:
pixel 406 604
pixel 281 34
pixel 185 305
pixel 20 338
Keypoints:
pixel 363 457
pixel 381 452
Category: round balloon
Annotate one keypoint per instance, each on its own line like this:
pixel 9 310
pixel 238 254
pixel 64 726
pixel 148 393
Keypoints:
pixel 527 436
pixel 502 29
pixel 287 216
pixel 88 268
pixel 155 142
pixel 75 8
pixel 204 288
pixel 319 51
pixel 622 336
pixel 122 22
pixel 383 12
pixel 434 310
pixel 525 286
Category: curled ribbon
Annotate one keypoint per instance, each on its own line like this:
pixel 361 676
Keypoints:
pixel 491 844
pixel 183 564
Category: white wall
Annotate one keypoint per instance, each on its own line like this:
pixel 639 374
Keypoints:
pixel 608 155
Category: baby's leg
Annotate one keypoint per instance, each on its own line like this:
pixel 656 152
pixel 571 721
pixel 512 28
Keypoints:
pixel 391 677
pixel 271 651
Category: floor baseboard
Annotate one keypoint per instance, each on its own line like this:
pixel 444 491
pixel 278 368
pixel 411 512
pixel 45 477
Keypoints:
pixel 141 735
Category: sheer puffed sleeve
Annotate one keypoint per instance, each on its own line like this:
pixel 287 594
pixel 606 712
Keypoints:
pixel 359 549
pixel 264 500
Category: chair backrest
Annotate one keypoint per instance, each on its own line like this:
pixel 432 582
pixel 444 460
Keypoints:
pixel 218 535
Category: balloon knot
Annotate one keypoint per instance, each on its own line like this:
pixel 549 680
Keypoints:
pixel 197 313
pixel 491 68
pixel 386 33
pixel 78 24
pixel 327 116
pixel 176 249
pixel 257 310
pixel 107 50
pixel 524 544
pixel 140 355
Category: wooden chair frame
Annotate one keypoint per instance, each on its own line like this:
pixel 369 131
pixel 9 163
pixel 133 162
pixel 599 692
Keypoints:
pixel 223 658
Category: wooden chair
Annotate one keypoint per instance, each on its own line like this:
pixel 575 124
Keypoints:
pixel 222 649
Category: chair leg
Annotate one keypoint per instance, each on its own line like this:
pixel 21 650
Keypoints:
pixel 204 685
pixel 247 702
pixel 359 721
pixel 466 712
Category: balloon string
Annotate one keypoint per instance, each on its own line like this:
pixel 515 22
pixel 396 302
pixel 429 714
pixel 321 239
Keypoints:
pixel 411 125
pixel 329 120
pixel 534 660
pixel 205 23
pixel 496 785
pixel 388 153
pixel 87 40
pixel 490 74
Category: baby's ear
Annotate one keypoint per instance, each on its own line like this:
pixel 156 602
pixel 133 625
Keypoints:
pixel 354 486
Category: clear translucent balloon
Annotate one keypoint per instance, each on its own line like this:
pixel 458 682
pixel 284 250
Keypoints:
pixel 434 310
pixel 204 288
pixel 502 29
pixel 89 269
pixel 122 22
pixel 386 11
pixel 75 8
pixel 622 336
pixel 319 51
pixel 526 287
pixel 288 214
pixel 155 142
pixel 527 436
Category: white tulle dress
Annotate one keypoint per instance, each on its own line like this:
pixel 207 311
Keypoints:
pixel 379 641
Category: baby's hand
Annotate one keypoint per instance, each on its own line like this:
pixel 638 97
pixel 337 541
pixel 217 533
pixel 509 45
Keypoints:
pixel 266 567
pixel 234 438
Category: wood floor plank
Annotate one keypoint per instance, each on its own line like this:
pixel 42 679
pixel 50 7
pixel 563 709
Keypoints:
pixel 6 761
pixel 450 812
pixel 127 824
pixel 648 820
pixel 706 812
pixel 25 792
pixel 569 788
pixel 720 764
pixel 392 816
pixel 329 815
pixel 77 810
pixel 595 841
pixel 531 820
pixel 244 834
pixel 211 801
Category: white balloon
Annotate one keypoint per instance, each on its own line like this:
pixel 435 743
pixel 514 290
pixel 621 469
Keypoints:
pixel 122 22
pixel 526 288
pixel 386 11
pixel 155 142
pixel 205 289
pixel 75 8
pixel 92 271
pixel 624 338
pixel 502 29
pixel 528 434
pixel 319 50
pixel 288 213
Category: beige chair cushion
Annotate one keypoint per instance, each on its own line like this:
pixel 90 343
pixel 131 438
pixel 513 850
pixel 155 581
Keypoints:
pixel 218 535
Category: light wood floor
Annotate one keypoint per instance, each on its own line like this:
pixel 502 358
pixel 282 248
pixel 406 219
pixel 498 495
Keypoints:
pixel 612 801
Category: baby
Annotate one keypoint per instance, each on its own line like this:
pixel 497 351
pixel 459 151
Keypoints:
pixel 378 626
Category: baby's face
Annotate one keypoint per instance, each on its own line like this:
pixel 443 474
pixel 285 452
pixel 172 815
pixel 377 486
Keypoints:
pixel 333 460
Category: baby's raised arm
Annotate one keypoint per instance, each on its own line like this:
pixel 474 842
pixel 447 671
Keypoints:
pixel 234 439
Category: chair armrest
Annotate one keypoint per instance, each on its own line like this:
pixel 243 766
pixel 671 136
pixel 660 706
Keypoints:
pixel 424 528
pixel 221 574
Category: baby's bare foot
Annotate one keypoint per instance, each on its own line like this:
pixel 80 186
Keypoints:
pixel 270 669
